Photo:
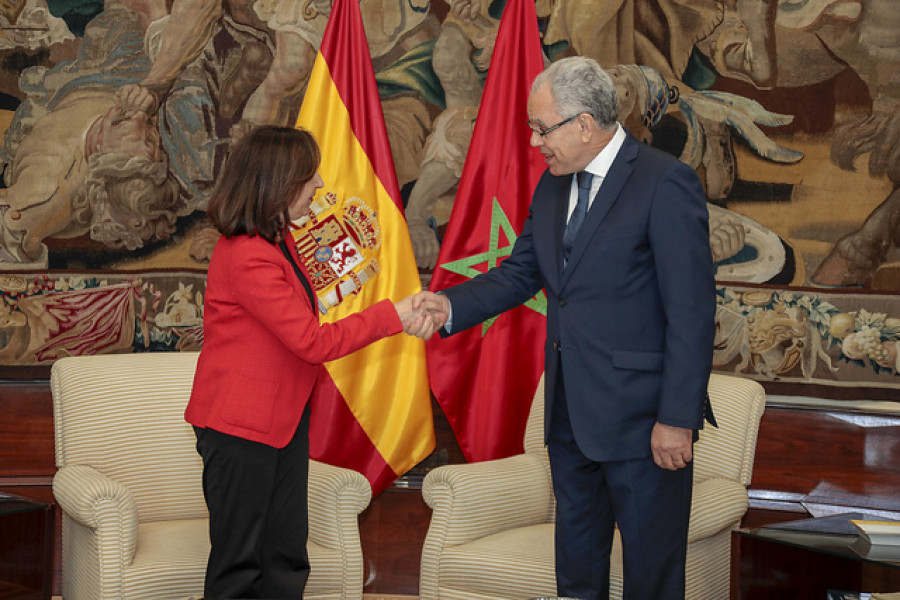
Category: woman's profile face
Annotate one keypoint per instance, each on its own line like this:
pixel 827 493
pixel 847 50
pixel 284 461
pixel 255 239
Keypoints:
pixel 300 206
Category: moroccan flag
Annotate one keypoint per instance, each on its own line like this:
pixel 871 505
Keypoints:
pixel 372 412
pixel 484 378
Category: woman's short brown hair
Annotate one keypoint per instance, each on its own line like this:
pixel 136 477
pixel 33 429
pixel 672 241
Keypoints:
pixel 264 173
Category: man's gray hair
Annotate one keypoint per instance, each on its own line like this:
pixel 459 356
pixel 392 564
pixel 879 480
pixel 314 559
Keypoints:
pixel 579 84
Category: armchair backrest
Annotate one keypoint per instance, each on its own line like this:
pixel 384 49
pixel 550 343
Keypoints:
pixel 726 451
pixel 123 415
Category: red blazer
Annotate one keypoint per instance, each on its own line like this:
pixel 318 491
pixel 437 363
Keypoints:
pixel 263 345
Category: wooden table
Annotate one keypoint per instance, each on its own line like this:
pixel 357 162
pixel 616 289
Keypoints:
pixel 764 567
pixel 26 548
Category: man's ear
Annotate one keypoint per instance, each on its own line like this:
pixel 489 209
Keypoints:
pixel 585 125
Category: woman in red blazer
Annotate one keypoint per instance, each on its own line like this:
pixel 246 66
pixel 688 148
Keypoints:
pixel 262 353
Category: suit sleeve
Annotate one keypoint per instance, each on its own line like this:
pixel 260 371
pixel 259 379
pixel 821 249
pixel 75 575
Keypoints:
pixel 501 288
pixel 260 286
pixel 679 234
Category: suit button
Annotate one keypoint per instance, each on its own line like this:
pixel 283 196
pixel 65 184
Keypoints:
pixel 562 301
pixel 556 346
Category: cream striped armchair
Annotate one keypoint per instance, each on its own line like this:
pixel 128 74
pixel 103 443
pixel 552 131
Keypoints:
pixel 129 486
pixel 491 531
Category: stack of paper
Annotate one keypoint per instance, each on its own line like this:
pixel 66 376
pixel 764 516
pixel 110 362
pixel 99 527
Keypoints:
pixel 879 532
pixel 820 532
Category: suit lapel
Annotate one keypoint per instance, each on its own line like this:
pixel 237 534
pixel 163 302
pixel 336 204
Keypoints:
pixel 608 194
pixel 549 222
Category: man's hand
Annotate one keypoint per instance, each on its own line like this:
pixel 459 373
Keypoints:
pixel 436 305
pixel 672 446
pixel 422 314
pixel 436 309
pixel 411 317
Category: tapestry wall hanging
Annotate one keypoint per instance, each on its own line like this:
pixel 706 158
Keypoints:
pixel 118 115
pixel 44 317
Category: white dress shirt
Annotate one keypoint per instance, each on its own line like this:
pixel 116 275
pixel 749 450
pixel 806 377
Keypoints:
pixel 598 167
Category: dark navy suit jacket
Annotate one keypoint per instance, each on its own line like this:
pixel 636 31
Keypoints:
pixel 631 316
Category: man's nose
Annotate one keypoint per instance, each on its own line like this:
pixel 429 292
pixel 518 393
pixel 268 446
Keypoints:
pixel 536 140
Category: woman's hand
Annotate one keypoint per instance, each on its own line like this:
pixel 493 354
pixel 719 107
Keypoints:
pixel 411 318
pixel 422 314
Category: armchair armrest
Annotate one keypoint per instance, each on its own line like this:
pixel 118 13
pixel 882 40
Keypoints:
pixel 98 502
pixel 717 504
pixel 336 497
pixel 473 500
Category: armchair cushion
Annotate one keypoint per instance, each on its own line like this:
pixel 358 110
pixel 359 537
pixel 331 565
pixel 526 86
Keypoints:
pixel 516 563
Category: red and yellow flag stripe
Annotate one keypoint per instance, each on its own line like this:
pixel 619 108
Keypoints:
pixel 378 418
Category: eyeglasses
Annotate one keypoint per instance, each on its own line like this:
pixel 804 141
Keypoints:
pixel 544 132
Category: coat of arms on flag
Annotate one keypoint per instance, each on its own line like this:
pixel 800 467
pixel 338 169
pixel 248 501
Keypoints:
pixel 338 247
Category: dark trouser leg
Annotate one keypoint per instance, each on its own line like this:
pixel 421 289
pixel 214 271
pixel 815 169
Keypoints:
pixel 237 483
pixel 652 507
pixel 584 519
pixel 283 555
pixel 256 497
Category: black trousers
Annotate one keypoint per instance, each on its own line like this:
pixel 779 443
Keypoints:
pixel 258 519
pixel 651 506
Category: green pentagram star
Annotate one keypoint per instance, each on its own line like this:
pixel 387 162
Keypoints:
pixel 466 266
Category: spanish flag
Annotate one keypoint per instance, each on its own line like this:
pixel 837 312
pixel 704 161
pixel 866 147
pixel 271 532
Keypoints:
pixel 372 412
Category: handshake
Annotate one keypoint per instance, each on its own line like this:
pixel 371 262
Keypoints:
pixel 424 313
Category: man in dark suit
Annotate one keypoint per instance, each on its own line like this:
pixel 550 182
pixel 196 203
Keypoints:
pixel 626 265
